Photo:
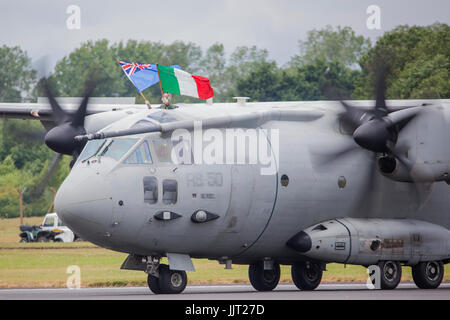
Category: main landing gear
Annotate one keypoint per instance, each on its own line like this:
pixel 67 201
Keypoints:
pixel 428 275
pixel 307 275
pixel 265 276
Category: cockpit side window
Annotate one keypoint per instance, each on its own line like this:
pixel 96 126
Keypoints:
pixel 163 149
pixel 91 149
pixel 150 190
pixel 118 147
pixel 166 149
pixel 141 155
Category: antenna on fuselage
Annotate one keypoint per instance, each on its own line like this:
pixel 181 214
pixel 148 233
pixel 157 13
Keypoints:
pixel 242 101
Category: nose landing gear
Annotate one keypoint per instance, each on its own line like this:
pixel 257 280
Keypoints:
pixel 162 280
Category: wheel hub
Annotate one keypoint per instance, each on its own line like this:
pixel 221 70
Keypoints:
pixel 176 280
pixel 390 271
pixel 432 271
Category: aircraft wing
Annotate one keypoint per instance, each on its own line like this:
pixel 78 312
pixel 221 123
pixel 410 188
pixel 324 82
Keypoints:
pixel 43 112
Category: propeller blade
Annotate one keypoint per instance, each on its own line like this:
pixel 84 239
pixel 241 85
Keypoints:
pixel 39 189
pixel 22 133
pixel 365 200
pixel 78 119
pixel 58 114
pixel 321 158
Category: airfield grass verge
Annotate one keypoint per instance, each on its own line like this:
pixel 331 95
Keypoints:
pixel 101 267
pixel 45 265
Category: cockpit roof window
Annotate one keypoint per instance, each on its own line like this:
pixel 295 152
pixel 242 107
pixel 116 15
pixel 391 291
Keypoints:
pixel 143 124
pixel 118 147
pixel 162 117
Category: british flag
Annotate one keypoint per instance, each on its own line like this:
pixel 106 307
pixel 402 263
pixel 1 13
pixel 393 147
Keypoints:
pixel 141 75
pixel 131 67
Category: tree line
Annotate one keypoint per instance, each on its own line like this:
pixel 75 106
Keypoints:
pixel 331 63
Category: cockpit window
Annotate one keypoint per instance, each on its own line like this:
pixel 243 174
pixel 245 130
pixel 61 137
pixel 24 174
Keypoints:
pixel 118 147
pixel 91 149
pixel 163 149
pixel 140 156
pixel 162 117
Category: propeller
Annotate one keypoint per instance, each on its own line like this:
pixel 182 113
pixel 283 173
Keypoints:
pixel 377 130
pixel 61 138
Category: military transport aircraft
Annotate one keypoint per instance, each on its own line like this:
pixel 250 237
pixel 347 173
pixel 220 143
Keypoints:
pixel 261 184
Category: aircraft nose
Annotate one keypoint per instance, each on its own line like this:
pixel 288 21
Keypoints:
pixel 83 203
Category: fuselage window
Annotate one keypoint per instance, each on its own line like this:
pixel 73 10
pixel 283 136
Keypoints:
pixel 118 147
pixel 150 190
pixel 170 191
pixel 140 156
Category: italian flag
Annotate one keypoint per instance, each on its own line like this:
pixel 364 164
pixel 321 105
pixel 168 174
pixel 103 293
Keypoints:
pixel 180 82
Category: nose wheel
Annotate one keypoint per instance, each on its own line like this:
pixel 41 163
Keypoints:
pixel 168 282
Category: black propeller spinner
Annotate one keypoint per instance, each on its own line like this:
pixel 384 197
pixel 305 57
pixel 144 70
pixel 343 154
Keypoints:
pixel 61 138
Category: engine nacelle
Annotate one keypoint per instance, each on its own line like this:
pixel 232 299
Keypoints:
pixel 393 169
pixel 368 241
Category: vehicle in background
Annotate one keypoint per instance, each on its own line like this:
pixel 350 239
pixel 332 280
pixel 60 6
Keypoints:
pixel 51 229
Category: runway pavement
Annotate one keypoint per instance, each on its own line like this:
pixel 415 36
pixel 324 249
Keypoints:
pixel 340 291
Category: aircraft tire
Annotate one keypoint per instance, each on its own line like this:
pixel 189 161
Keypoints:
pixel 306 275
pixel 428 274
pixel 390 274
pixel 264 280
pixel 153 284
pixel 171 281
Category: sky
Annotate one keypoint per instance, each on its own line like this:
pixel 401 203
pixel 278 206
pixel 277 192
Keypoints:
pixel 41 26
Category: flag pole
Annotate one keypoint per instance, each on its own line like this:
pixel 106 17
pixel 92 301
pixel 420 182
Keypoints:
pixel 145 100
pixel 160 85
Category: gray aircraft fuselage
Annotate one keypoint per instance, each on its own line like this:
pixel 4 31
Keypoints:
pixel 104 200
